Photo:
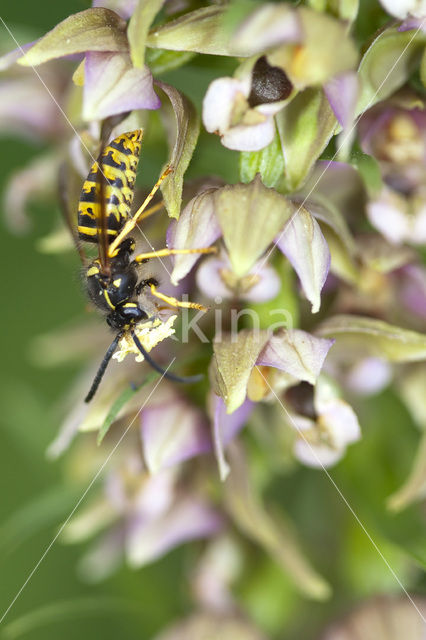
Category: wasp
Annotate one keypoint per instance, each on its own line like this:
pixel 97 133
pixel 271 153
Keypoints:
pixel 104 219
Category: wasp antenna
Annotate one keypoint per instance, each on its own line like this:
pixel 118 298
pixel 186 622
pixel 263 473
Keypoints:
pixel 157 367
pixel 102 367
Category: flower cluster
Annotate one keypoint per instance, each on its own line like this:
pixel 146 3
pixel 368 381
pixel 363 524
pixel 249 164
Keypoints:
pixel 316 292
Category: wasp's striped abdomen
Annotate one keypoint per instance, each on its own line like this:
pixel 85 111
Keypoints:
pixel 118 164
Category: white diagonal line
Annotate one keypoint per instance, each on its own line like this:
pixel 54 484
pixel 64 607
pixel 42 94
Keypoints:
pixel 358 520
pixel 80 500
pixel 71 125
pixel 344 140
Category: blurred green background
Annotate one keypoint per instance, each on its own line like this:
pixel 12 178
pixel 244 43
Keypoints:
pixel 41 293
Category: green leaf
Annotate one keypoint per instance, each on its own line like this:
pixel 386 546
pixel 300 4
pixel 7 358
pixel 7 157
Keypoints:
pixel 305 127
pixel 250 216
pixel 43 511
pixel 233 360
pixel 272 531
pixel 161 60
pixel 95 29
pixel 387 65
pixel 200 31
pixel 375 337
pixel 268 162
pixel 68 610
pixel 137 31
pixel 119 403
pixel 183 126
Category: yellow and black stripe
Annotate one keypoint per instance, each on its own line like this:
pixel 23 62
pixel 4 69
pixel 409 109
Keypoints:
pixel 119 162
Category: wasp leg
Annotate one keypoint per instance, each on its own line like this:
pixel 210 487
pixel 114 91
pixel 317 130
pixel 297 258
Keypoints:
pixel 162 253
pixel 131 224
pixel 174 302
pixel 102 367
pixel 146 283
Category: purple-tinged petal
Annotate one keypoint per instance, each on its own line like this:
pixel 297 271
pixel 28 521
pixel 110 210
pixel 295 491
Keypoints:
pixel 209 279
pixel 413 288
pixel 26 108
pixel 392 215
pixel 188 519
pixel 155 497
pixel 219 102
pixel 104 557
pixel 113 86
pixel 368 376
pixel 324 444
pixel 260 286
pixel 173 433
pixel 411 24
pixel 8 59
pixel 297 353
pixel 225 427
pixel 219 567
pixel 305 247
pixel 197 227
pixel 124 8
pixel 268 285
pixel 342 94
pixel 249 137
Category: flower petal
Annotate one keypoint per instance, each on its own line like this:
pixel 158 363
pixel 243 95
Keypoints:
pixel 171 434
pixel 305 247
pixel 267 26
pixel 234 357
pixel 250 215
pixel 249 137
pixel 342 93
pixel 314 61
pixel 188 519
pixel 404 8
pixel 218 103
pixel 197 227
pixel 137 31
pixel 305 127
pixel 374 337
pixel 201 31
pixel 113 86
pixel 387 64
pixel 296 352
pixel 225 428
pixel 211 280
pixel 368 376
pixel 95 29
